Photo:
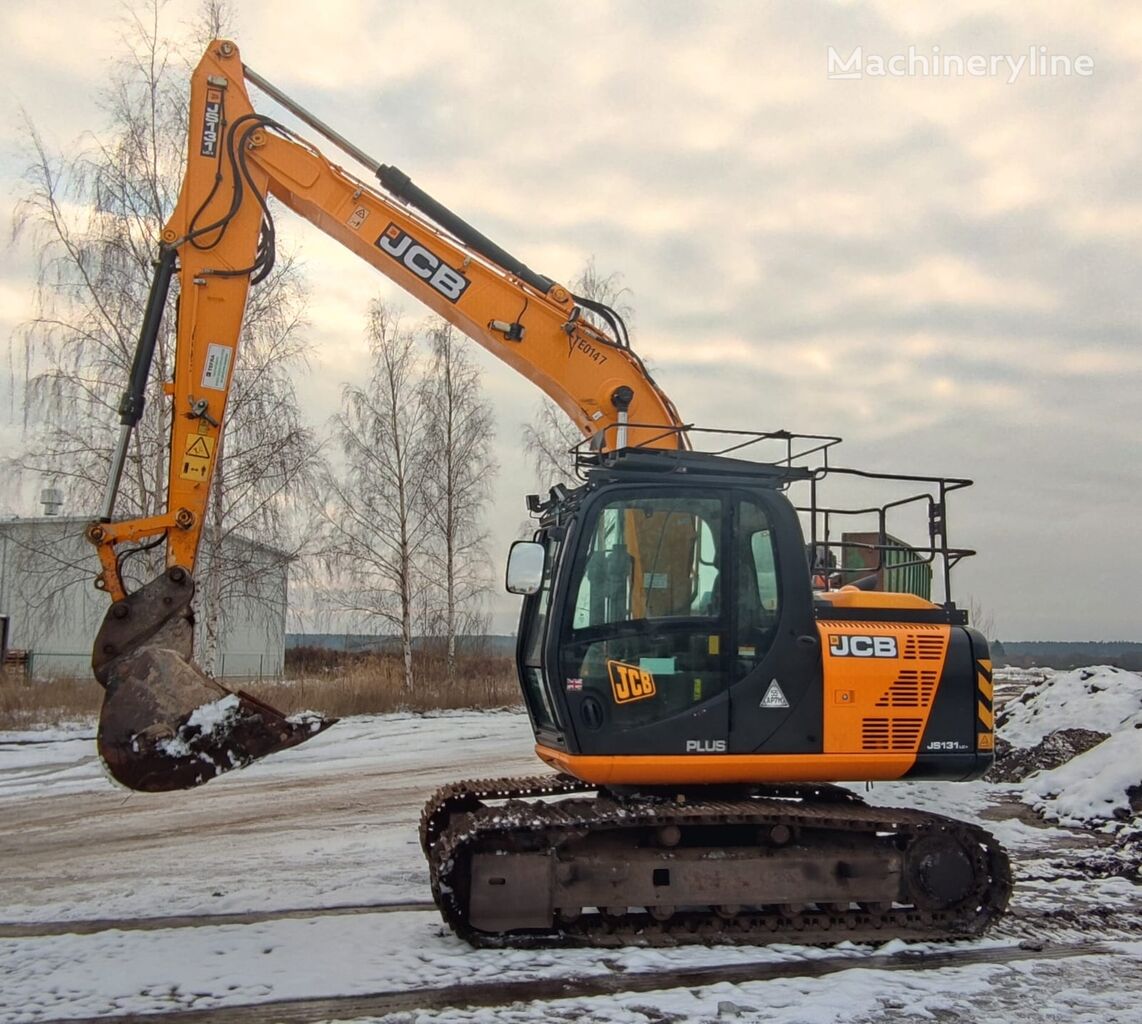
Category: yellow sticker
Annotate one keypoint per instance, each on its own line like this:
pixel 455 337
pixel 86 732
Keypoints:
pixel 196 458
pixel 629 682
pixel 713 645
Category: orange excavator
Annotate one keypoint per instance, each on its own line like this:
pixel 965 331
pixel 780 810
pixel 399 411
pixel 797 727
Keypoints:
pixel 698 672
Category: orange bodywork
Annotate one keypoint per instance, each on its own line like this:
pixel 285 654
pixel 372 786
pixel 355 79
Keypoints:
pixel 875 709
pixel 579 367
pixel 880 705
pixel 708 769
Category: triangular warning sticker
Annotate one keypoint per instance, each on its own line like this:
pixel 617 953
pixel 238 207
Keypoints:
pixel 774 698
pixel 198 449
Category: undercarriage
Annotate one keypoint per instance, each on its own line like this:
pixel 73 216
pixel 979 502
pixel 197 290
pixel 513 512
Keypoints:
pixel 550 860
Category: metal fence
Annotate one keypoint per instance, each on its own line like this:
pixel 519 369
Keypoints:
pixel 77 664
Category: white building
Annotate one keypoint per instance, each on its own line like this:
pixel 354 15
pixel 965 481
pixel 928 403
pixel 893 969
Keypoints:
pixel 47 570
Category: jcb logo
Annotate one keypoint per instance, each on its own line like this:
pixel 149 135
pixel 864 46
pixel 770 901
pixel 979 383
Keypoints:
pixel 862 646
pixel 629 682
pixel 402 247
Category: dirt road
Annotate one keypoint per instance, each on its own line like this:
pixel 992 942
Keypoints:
pixel 255 898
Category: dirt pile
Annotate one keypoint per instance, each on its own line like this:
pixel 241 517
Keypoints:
pixel 1014 764
pixel 1072 739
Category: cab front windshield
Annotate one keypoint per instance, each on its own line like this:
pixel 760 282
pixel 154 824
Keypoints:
pixel 664 591
pixel 650 558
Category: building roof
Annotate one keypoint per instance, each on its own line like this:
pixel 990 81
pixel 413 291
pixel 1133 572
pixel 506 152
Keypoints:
pixel 80 524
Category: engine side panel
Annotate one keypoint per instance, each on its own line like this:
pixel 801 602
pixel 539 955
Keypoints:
pixel 880 682
pixel 959 738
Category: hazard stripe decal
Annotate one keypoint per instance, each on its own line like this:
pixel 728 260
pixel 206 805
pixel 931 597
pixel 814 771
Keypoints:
pixel 985 713
pixel 983 680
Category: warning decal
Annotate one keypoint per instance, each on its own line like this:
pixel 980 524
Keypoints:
pixel 216 372
pixel 196 458
pixel 774 697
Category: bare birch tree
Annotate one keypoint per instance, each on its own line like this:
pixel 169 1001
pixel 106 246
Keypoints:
pixel 460 468
pixel 376 521
pixel 94 219
pixel 981 617
pixel 549 435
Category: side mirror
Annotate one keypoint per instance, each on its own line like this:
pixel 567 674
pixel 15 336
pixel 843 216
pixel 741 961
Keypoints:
pixel 525 567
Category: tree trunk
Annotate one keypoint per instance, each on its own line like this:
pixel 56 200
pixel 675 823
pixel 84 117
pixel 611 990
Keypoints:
pixel 406 630
pixel 450 557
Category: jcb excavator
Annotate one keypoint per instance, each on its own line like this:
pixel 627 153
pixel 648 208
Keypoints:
pixel 697 674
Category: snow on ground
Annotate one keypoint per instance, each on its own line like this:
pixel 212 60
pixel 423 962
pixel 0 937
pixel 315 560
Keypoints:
pixel 334 822
pixel 1073 991
pixel 140 972
pixel 1102 698
pixel 1094 787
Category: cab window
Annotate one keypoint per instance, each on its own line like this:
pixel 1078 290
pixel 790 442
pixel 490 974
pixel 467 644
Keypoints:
pixel 650 558
pixel 648 632
pixel 758 589
pixel 534 628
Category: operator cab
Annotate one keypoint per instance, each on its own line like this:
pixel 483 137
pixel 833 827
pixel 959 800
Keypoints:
pixel 663 596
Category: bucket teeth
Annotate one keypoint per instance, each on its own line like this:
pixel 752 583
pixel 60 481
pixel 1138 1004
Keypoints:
pixel 165 725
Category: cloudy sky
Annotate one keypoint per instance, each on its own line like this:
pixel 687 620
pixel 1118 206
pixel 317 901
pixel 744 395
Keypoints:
pixel 942 268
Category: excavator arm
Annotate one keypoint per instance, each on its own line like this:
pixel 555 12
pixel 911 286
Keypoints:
pixel 164 724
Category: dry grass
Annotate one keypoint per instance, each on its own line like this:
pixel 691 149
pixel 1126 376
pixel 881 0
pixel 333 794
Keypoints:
pixel 360 684
pixel 333 683
pixel 32 703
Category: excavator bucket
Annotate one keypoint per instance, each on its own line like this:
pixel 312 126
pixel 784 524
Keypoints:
pixel 164 724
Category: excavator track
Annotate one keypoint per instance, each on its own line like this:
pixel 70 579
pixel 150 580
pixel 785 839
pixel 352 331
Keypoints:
pixel 808 864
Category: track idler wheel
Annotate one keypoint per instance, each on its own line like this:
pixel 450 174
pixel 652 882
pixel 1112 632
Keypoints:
pixel 939 871
pixel 164 724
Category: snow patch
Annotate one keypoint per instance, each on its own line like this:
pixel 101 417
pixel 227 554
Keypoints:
pixel 311 720
pixel 1101 698
pixel 1093 787
pixel 218 716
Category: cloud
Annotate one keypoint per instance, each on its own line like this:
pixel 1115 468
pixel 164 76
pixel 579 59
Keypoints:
pixel 944 270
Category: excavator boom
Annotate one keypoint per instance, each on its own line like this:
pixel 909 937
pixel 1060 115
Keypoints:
pixel 164 723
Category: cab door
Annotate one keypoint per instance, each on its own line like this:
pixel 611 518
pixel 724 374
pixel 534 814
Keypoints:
pixel 643 649
pixel 775 670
